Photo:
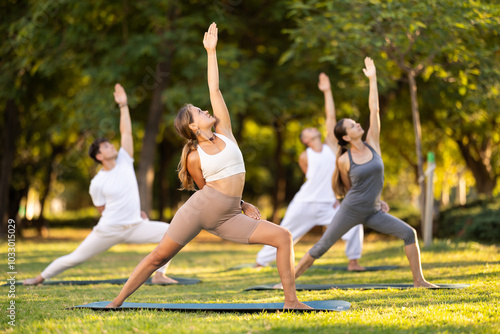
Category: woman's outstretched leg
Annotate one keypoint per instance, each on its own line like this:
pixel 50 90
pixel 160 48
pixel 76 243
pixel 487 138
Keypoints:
pixel 413 254
pixel 163 253
pixel 388 224
pixel 269 234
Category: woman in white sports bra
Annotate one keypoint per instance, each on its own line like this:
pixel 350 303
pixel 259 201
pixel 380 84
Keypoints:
pixel 214 162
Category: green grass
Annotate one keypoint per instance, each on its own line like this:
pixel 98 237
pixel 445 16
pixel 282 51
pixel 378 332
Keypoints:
pixel 475 309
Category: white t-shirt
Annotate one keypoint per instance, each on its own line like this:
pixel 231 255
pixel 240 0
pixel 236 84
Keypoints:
pixel 318 185
pixel 117 189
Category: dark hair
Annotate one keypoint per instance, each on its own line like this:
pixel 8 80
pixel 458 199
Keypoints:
pixel 181 123
pixel 301 138
pixel 338 186
pixel 94 148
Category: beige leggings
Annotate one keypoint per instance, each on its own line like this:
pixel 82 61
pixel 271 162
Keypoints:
pixel 211 210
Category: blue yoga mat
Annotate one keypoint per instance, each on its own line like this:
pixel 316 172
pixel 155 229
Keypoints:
pixel 181 280
pixel 321 305
pixel 311 287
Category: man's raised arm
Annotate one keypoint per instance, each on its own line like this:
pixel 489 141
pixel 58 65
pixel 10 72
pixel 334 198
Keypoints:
pixel 331 118
pixel 127 141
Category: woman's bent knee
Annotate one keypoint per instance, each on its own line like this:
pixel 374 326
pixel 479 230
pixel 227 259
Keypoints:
pixel 410 236
pixel 285 236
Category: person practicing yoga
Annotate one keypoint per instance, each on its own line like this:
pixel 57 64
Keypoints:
pixel 214 162
pixel 315 203
pixel 115 193
pixel 359 176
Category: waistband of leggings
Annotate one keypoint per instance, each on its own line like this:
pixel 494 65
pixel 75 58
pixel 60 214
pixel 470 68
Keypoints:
pixel 212 191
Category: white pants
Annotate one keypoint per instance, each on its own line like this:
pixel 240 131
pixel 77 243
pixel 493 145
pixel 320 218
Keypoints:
pixel 301 217
pixel 104 237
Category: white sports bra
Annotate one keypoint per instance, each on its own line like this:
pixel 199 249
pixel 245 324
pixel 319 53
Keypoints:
pixel 226 163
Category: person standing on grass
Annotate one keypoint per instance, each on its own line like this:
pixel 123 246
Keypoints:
pixel 214 162
pixel 115 193
pixel 359 176
pixel 315 203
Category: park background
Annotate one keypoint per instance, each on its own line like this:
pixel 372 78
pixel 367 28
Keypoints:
pixel 59 61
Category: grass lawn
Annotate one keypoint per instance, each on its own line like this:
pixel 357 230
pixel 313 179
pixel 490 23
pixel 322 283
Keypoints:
pixel 475 309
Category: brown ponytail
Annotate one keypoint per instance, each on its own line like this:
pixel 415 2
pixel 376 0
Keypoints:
pixel 181 123
pixel 338 186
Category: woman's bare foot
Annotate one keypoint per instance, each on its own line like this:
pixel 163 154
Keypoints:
pixel 424 284
pixel 354 266
pixel 278 286
pixel 296 306
pixel 113 305
pixel 34 281
pixel 160 278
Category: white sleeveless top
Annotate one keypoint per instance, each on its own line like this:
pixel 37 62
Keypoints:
pixel 318 185
pixel 226 163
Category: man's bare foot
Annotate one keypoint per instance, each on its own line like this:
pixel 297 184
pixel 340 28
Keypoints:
pixel 424 284
pixel 296 306
pixel 160 278
pixel 34 281
pixel 278 286
pixel 354 266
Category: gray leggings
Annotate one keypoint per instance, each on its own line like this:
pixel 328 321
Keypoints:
pixel 347 218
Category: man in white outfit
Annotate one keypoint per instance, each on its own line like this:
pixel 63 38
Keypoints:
pixel 115 193
pixel 315 203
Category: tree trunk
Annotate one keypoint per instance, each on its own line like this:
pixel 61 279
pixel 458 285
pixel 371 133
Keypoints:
pixel 166 153
pixel 280 185
pixel 15 196
pixel 50 177
pixel 145 174
pixel 486 180
pixel 418 137
pixel 9 150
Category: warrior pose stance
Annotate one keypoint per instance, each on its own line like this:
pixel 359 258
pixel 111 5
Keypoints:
pixel 115 193
pixel 215 163
pixel 359 176
pixel 315 203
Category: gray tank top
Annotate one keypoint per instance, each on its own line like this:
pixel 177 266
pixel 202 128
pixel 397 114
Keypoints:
pixel 367 181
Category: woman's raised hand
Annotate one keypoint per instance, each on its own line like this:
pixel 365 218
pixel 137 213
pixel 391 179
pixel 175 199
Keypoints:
pixel 369 69
pixel 210 39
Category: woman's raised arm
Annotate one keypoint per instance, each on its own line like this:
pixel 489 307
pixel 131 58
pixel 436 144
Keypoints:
pixel 373 135
pixel 221 114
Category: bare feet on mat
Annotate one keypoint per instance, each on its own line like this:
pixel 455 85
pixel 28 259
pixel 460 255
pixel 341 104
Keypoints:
pixel 278 286
pixel 160 278
pixel 112 305
pixel 34 281
pixel 354 266
pixel 424 284
pixel 296 306
pixel 257 266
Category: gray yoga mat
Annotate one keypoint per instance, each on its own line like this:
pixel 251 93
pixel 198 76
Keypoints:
pixel 181 280
pixel 368 268
pixel 311 287
pixel 320 305
pixel 333 268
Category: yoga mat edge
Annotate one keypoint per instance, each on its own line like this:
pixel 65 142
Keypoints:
pixel 182 281
pixel 313 287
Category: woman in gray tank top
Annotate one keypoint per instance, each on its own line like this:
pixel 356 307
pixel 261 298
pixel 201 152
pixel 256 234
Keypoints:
pixel 359 177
